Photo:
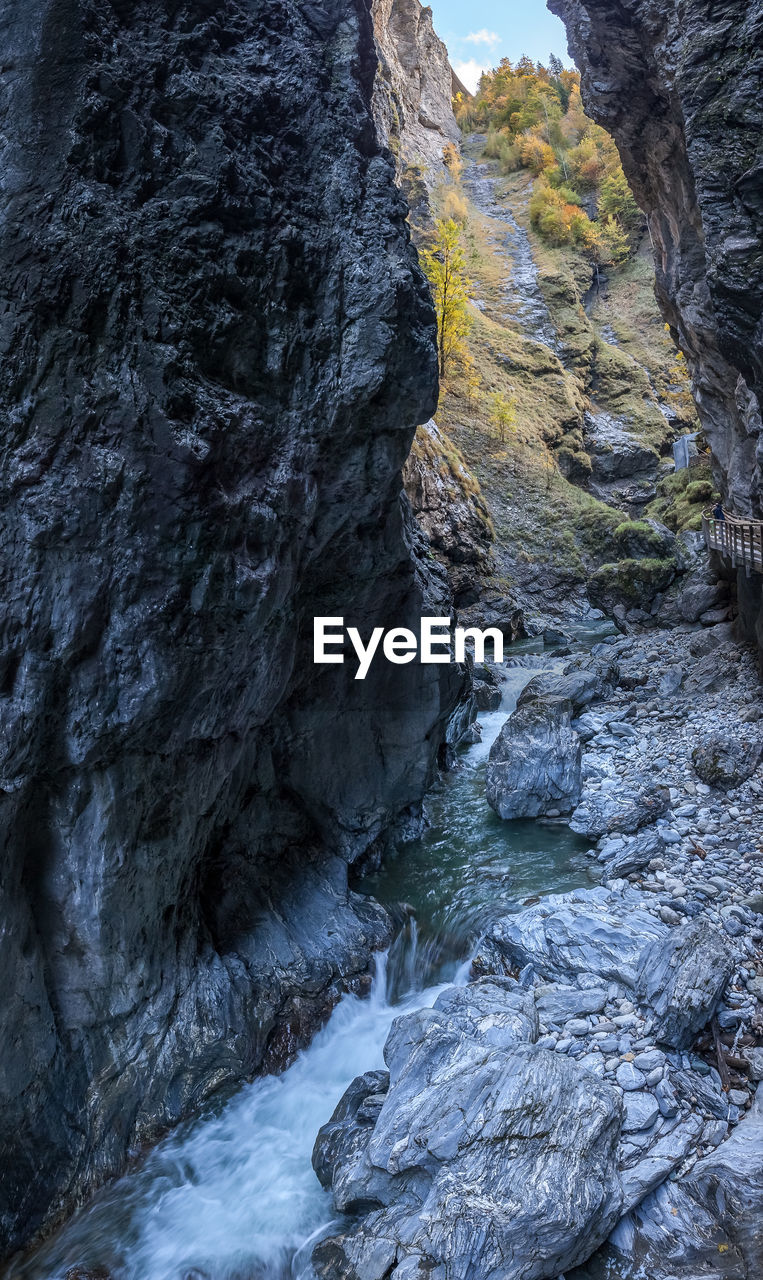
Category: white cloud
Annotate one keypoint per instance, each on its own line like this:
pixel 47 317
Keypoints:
pixel 483 37
pixel 469 73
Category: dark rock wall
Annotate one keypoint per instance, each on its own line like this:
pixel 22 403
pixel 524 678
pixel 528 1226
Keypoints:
pixel 678 85
pixel 216 345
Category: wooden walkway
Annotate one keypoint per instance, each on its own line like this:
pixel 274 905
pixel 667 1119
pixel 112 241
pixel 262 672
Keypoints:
pixel 740 541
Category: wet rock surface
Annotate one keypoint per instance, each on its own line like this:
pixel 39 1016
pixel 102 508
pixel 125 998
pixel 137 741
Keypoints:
pixel 217 344
pixel 650 984
pixel 449 507
pixel 489 1156
pixel 524 300
pixel 534 763
pixel 414 87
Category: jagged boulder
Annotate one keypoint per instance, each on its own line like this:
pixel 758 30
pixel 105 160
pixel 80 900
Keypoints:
pixel 630 583
pixel 624 810
pixel 486 688
pixel 706 1223
pixel 534 763
pixel 635 854
pixel 490 1158
pixel 598 932
pixel 682 977
pixel 639 538
pixel 725 762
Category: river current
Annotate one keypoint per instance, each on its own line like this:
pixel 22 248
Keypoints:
pixel 232 1195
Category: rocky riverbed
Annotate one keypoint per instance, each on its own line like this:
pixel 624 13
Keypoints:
pixel 593 1090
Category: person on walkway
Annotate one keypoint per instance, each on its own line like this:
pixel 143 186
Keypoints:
pixel 718 511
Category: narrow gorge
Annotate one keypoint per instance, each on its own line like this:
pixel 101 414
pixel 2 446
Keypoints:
pixel 455 970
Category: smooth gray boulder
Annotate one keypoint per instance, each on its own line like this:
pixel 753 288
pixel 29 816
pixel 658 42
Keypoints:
pixel 490 1157
pixel 681 977
pixel 578 687
pixel 534 763
pixel 583 681
pixel 556 1003
pixel 598 932
pixel 625 810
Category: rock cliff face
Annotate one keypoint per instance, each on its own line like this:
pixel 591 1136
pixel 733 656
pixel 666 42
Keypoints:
pixel 216 344
pixel 414 87
pixel 450 509
pixel 678 85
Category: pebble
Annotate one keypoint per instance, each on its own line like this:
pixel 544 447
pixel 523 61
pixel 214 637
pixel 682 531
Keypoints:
pixel 629 1077
pixel 714 1132
pixel 649 1059
pixel 640 1111
pixel 711 865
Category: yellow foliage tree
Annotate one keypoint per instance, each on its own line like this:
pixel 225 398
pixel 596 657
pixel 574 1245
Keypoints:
pixel 451 157
pixel 536 155
pixel 445 270
pixel 503 413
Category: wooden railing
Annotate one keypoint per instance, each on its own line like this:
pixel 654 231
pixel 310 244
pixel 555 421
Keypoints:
pixel 740 541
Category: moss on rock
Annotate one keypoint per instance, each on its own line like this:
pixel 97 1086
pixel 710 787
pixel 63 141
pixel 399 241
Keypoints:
pixel 633 583
pixel 682 497
pixel 636 539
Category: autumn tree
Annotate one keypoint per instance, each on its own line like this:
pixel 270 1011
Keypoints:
pixel 503 413
pixel 616 202
pixel 445 270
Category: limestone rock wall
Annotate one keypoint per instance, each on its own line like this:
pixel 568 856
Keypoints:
pixel 414 87
pixel 678 86
pixel 216 344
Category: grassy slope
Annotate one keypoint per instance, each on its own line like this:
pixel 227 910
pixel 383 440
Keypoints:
pixel 550 535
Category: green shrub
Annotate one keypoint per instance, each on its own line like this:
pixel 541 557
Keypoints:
pixel 699 491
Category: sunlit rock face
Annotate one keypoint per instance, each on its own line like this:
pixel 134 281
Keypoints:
pixel 678 85
pixel 216 344
pixel 414 87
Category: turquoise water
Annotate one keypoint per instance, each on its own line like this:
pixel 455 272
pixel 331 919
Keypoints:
pixel 469 867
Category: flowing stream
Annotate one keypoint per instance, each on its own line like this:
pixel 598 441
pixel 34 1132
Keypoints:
pixel 232 1195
